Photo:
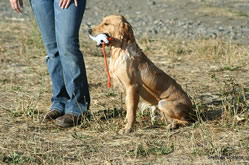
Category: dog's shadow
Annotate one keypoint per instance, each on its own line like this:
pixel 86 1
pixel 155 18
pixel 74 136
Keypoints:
pixel 106 114
pixel 204 113
pixel 211 115
pixel 213 106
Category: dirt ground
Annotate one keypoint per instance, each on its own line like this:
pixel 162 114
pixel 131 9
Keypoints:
pixel 213 71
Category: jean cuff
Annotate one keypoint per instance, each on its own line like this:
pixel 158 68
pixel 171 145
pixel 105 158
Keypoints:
pixel 76 110
pixel 59 107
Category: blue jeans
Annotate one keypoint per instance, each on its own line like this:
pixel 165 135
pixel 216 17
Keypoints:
pixel 60 33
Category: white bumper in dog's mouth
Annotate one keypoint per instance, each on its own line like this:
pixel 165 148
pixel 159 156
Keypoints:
pixel 100 38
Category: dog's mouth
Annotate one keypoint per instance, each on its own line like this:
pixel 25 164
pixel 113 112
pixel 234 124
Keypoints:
pixel 90 32
pixel 101 38
pixel 107 35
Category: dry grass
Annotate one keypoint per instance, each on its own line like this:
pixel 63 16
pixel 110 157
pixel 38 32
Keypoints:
pixel 213 72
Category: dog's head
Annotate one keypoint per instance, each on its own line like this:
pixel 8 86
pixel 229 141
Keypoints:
pixel 117 28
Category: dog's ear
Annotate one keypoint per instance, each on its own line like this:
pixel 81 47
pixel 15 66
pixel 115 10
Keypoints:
pixel 126 32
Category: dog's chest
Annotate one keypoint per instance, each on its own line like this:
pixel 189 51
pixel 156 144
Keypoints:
pixel 121 59
pixel 118 68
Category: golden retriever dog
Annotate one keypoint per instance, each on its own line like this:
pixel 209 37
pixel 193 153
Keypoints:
pixel 131 69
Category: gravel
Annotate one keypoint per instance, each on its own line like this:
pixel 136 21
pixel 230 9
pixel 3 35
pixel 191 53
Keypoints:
pixel 188 19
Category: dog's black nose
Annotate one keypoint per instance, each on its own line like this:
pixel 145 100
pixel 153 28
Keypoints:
pixel 90 31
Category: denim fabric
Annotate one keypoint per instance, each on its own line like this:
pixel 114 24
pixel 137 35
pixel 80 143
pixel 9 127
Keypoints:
pixel 60 33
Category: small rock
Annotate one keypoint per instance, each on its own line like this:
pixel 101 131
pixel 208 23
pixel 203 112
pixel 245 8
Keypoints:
pixel 151 2
pixel 221 29
pixel 213 35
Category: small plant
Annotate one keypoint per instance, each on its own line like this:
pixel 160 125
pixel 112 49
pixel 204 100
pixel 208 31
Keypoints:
pixel 162 150
pixel 140 151
pixel 147 148
pixel 80 137
pixel 15 158
pixel 111 94
pixel 197 152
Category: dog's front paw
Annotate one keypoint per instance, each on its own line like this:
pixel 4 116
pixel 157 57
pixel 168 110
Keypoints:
pixel 124 131
pixel 172 126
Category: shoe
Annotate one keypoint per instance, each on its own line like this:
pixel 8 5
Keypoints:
pixel 68 120
pixel 52 115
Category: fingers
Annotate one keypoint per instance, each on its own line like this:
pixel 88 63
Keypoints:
pixel 64 4
pixel 67 4
pixel 15 5
pixel 76 3
pixel 21 3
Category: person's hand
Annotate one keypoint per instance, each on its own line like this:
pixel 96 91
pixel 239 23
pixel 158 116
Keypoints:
pixel 65 3
pixel 16 4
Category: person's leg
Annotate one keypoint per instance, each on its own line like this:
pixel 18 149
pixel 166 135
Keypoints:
pixel 44 14
pixel 67 25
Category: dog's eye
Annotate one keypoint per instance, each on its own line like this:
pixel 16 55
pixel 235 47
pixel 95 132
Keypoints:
pixel 106 24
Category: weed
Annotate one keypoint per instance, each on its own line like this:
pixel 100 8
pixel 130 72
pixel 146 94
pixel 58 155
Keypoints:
pixel 16 158
pixel 111 94
pixel 162 150
pixel 80 137
pixel 197 152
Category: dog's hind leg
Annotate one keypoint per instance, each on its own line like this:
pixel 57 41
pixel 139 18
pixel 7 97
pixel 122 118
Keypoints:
pixel 175 112
pixel 153 110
